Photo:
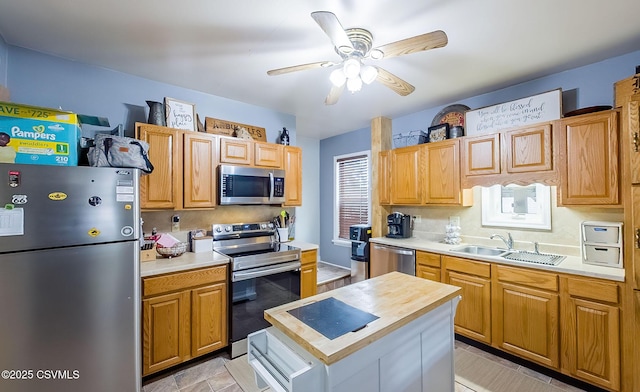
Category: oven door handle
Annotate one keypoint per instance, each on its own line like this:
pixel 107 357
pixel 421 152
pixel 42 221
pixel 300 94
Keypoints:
pixel 265 271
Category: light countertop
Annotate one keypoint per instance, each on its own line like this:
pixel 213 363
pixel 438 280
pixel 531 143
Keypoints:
pixel 191 260
pixel 570 265
pixel 396 298
pixel 183 262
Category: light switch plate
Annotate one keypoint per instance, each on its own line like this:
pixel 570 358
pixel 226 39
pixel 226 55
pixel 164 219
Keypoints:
pixel 454 220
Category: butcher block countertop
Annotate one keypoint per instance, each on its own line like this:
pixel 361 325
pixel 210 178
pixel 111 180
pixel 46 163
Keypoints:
pixel 396 298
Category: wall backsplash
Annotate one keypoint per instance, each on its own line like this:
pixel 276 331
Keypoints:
pixel 564 236
pixel 189 220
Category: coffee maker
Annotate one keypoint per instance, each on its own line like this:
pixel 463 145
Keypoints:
pixel 359 236
pixel 400 225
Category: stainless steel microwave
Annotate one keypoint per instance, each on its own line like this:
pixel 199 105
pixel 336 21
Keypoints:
pixel 250 185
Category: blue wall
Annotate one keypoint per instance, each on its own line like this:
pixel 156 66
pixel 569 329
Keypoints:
pixel 4 50
pixel 354 141
pixel 38 79
pixel 582 87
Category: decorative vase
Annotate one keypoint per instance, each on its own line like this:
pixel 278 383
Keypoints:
pixel 156 113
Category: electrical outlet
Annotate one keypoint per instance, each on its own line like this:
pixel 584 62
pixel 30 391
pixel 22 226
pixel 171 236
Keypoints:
pixel 175 223
pixel 454 221
pixel 417 219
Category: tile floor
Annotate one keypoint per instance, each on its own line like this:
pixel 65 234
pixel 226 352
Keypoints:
pixel 210 374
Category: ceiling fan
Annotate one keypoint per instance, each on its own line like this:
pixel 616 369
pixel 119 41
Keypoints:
pixel 355 45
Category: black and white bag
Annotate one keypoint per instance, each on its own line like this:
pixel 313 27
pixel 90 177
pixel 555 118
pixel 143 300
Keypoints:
pixel 120 151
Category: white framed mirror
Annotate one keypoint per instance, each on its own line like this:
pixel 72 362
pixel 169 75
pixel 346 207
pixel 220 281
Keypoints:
pixel 517 206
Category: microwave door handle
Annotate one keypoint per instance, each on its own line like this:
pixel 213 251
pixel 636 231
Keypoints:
pixel 271 185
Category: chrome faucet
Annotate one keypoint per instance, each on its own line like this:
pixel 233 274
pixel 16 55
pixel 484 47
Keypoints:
pixel 508 241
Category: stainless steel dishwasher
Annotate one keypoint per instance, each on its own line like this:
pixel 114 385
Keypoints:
pixel 386 258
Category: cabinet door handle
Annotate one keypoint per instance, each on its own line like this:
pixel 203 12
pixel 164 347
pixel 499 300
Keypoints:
pixel 636 141
pixel 637 238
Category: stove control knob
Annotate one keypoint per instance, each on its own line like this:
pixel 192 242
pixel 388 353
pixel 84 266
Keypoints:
pixel 263 226
pixel 218 229
pixel 271 225
pixel 227 229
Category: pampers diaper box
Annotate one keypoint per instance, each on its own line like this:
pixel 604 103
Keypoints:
pixel 35 135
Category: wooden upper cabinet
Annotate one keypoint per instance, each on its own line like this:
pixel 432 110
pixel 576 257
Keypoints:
pixel 443 174
pixel 631 116
pixel 529 149
pixel 481 155
pixel 268 155
pixel 407 171
pixel 519 156
pixel 589 144
pixel 199 170
pixel 236 151
pixel 157 190
pixel 184 169
pixel 292 165
pixel 384 177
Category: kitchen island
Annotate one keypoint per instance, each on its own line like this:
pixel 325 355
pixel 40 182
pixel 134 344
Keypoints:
pixel 407 346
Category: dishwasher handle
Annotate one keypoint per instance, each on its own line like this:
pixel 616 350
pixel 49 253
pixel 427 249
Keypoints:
pixel 395 250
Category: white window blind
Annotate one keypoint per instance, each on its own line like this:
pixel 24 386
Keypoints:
pixel 352 192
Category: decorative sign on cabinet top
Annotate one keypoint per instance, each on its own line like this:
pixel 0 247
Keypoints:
pixel 530 110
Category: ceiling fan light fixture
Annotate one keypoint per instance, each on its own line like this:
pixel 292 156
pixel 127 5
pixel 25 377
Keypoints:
pixel 344 49
pixel 354 84
pixel 337 77
pixel 368 74
pixel 376 54
pixel 351 68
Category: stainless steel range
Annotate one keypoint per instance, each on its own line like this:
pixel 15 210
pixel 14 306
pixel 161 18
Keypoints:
pixel 264 274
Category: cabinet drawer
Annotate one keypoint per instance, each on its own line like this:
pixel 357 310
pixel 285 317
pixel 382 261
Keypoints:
pixel 595 290
pixel 426 258
pixel 309 256
pixel 470 267
pixel 535 279
pixel 182 280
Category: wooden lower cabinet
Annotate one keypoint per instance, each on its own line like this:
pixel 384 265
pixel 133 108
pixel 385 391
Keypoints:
pixel 590 331
pixel 309 273
pixel 165 330
pixel 184 315
pixel 208 329
pixel 428 265
pixel 526 314
pixel 473 315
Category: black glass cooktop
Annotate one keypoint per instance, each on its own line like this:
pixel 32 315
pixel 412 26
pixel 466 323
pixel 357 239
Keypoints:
pixel 332 318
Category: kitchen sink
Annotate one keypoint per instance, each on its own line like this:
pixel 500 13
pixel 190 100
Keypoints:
pixel 480 250
pixel 516 255
pixel 533 257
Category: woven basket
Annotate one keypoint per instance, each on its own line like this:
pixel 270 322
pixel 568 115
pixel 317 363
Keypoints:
pixel 174 251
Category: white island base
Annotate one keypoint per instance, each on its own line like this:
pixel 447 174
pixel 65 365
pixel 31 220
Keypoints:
pixel 415 357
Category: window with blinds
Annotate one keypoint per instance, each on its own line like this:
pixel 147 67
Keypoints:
pixel 353 192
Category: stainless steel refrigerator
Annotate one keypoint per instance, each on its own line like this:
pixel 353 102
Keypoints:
pixel 69 279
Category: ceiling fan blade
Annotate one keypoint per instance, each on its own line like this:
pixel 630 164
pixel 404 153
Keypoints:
pixel 334 95
pixel 393 82
pixel 301 67
pixel 432 40
pixel 331 26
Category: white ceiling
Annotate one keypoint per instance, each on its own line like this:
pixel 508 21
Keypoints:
pixel 225 48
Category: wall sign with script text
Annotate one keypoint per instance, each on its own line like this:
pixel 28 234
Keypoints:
pixel 535 109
